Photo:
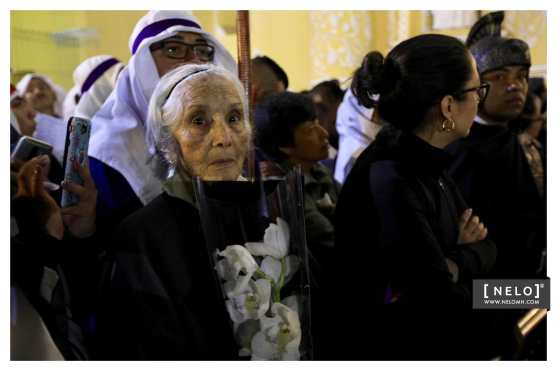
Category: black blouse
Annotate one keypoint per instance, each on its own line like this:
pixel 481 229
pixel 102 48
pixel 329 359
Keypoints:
pixel 396 223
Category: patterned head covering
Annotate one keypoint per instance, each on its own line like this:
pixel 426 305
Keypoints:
pixel 490 49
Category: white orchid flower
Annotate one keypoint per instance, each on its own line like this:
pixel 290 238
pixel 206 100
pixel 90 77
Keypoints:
pixel 276 241
pixel 243 333
pixel 280 336
pixel 237 268
pixel 293 302
pixel 252 303
pixel 273 267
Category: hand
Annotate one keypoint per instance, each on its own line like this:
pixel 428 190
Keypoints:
pixel 30 184
pixel 80 218
pixel 16 164
pixel 453 269
pixel 470 228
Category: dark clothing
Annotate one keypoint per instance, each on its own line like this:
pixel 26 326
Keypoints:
pixel 320 198
pixel 396 222
pixel 14 137
pixel 495 178
pixel 44 268
pixel 162 301
pixel 116 198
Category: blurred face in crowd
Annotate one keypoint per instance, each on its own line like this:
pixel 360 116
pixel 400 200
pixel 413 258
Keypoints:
pixel 25 115
pixel 507 93
pixel 41 96
pixel 264 82
pixel 182 48
pixel 326 110
pixel 536 119
pixel 311 143
pixel 212 133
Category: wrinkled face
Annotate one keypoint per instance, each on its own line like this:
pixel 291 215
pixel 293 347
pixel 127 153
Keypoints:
pixel 212 133
pixel 507 92
pixel 466 108
pixel 311 143
pixel 40 95
pixel 25 114
pixel 164 54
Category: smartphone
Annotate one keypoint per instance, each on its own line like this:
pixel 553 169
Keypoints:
pixel 75 149
pixel 29 147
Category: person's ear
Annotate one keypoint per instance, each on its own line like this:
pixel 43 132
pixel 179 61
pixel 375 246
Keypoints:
pixel 446 106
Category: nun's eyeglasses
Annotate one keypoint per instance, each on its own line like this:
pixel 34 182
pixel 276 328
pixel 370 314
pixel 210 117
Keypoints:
pixel 481 90
pixel 179 50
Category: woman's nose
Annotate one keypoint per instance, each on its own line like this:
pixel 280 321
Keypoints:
pixel 222 134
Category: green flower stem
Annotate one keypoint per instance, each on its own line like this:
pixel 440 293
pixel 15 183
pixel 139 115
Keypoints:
pixel 260 274
pixel 274 288
pixel 282 272
pixel 280 283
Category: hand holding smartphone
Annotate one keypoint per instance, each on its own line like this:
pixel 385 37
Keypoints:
pixel 76 147
pixel 29 147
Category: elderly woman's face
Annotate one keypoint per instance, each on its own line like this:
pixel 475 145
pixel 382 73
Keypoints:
pixel 212 134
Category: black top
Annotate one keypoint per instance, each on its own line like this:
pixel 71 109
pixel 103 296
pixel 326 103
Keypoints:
pixel 493 174
pixel 53 275
pixel 396 222
pixel 162 301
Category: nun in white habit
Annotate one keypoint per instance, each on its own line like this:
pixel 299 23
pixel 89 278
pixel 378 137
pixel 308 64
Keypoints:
pixel 94 79
pixel 160 41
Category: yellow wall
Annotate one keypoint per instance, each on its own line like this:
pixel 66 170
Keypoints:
pixel 310 45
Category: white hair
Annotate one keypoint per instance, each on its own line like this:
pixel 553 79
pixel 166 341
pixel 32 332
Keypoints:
pixel 166 108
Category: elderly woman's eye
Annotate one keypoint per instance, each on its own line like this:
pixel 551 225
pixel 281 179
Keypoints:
pixel 234 117
pixel 198 120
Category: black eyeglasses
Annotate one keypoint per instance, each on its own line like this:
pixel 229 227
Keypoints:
pixel 174 49
pixel 481 90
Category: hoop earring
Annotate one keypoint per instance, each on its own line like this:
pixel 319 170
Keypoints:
pixel 448 125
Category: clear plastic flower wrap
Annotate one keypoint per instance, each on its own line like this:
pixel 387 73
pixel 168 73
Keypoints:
pixel 255 235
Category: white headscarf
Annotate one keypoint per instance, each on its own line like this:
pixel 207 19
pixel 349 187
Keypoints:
pixel 68 106
pixel 96 78
pixel 355 131
pixel 57 89
pixel 118 128
pixel 168 96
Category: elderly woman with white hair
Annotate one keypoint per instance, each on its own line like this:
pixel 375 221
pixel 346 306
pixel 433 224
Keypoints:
pixel 118 155
pixel 162 301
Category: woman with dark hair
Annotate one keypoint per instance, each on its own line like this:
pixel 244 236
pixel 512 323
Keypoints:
pixel 407 245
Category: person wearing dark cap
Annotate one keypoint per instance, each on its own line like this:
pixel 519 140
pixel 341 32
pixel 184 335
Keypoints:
pixel 267 78
pixel 490 165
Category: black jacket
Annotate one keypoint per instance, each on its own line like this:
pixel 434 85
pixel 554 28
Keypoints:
pixel 396 222
pixel 162 301
pixel 493 174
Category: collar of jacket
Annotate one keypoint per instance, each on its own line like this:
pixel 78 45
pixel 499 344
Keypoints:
pixel 181 186
pixel 420 155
